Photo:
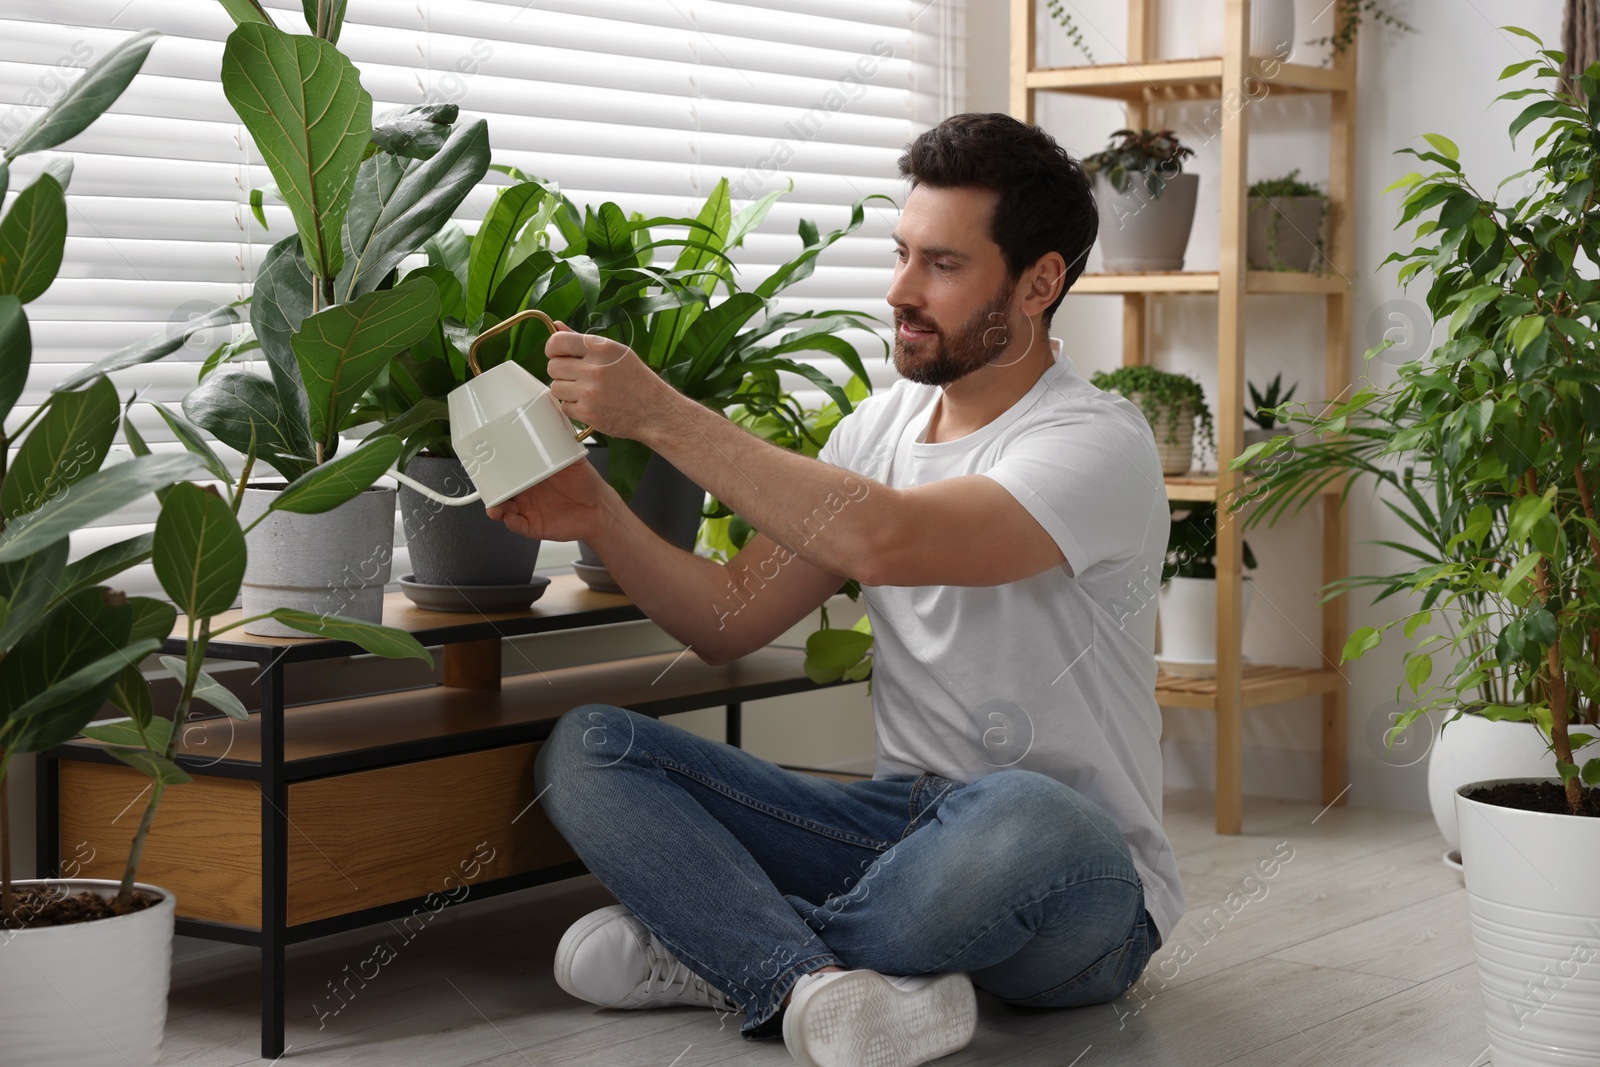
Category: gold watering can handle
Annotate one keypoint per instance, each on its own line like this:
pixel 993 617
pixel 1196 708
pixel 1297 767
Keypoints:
pixel 502 327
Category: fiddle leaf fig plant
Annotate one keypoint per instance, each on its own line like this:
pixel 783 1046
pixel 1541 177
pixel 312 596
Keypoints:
pixel 1493 435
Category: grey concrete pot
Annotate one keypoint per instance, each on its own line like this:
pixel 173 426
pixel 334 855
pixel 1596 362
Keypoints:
pixel 1286 233
pixel 665 500
pixel 1139 232
pixel 459 544
pixel 335 563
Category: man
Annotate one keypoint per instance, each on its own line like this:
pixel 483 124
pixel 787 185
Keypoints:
pixel 1003 517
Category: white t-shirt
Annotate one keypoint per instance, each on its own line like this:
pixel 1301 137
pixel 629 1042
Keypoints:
pixel 1055 673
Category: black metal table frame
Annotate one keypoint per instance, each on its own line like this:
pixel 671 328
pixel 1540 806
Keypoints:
pixel 273 776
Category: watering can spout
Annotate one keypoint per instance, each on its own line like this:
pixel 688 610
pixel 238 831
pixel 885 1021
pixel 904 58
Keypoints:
pixel 433 494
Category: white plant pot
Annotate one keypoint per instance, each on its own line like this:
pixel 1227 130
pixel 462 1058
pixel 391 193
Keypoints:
pixel 1188 617
pixel 89 994
pixel 1474 749
pixel 1535 915
pixel 1271 28
pixel 335 563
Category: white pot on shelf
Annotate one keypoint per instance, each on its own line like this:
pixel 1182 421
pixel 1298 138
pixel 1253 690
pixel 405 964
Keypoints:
pixel 1535 915
pixel 1475 749
pixel 1272 28
pixel 1187 614
pixel 90 994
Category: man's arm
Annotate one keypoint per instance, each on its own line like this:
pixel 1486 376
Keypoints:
pixel 957 531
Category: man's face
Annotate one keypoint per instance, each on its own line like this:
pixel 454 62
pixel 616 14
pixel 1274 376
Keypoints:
pixel 951 294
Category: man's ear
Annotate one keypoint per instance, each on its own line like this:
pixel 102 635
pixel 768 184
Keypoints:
pixel 1041 283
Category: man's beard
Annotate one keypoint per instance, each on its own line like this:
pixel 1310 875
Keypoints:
pixel 940 360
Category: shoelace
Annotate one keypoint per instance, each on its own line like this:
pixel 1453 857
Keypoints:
pixel 670 971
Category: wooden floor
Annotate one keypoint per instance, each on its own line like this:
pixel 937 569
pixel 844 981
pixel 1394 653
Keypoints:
pixel 1356 952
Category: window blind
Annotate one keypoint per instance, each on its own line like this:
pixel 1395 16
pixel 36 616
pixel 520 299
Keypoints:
pixel 645 102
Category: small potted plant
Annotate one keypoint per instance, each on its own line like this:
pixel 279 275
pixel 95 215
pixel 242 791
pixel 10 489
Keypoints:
pixel 1146 202
pixel 1286 217
pixel 1188 597
pixel 1172 405
pixel 1262 410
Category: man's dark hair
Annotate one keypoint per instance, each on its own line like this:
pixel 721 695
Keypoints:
pixel 1046 201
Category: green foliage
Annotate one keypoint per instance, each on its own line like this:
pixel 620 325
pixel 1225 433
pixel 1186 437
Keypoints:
pixel 1192 543
pixel 1162 396
pixel 1347 18
pixel 1262 413
pixel 1157 155
pixel 1487 442
pixel 1060 14
pixel 1288 185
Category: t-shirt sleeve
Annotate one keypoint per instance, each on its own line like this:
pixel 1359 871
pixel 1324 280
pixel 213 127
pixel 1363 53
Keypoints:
pixel 843 446
pixel 1091 485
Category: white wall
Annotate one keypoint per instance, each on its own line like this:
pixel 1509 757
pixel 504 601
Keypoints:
pixel 1441 79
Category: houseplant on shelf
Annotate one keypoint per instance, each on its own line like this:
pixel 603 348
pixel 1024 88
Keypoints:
pixel 1347 18
pixel 1261 409
pixel 1171 403
pixel 79 949
pixel 325 309
pixel 1147 204
pixel 1286 218
pixel 1498 421
pixel 1187 610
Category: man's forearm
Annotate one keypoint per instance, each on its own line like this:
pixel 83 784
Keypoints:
pixel 830 517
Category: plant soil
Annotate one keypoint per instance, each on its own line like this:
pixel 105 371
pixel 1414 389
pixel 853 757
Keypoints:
pixel 1548 797
pixel 51 906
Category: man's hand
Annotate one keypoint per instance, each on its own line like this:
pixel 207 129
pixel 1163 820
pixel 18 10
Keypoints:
pixel 604 384
pixel 570 505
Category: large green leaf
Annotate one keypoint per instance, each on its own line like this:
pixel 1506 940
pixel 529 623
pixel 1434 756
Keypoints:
pixel 232 401
pixel 208 689
pixel 32 236
pixel 29 586
pixel 325 17
pixel 416 131
pixel 831 654
pixel 56 678
pixel 104 563
pixel 66 445
pixel 399 204
pixel 153 765
pixel 495 240
pixel 328 485
pixel 189 435
pixel 279 303
pixel 199 551
pixel 341 349
pixel 708 340
pixel 131 693
pixel 152 618
pixel 242 11
pixel 16 353
pixel 93 498
pixel 379 640
pixel 87 97
pixel 303 103
pixel 152 348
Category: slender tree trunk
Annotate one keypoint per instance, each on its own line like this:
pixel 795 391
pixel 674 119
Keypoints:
pixel 1580 40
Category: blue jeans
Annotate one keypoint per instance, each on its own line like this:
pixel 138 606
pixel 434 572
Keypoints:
pixel 753 875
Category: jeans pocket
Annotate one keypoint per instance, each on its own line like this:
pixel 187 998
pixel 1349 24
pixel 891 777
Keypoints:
pixel 1104 980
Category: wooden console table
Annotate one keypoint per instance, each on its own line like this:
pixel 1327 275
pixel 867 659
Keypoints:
pixel 315 818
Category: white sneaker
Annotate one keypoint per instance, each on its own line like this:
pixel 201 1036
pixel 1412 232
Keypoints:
pixel 865 1019
pixel 609 958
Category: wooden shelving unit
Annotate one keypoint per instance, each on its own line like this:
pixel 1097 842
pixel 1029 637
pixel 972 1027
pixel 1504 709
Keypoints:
pixel 1144 84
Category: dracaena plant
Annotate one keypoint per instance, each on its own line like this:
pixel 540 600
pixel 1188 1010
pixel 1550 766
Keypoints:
pixel 70 641
pixel 1490 439
pixel 691 322
pixel 326 310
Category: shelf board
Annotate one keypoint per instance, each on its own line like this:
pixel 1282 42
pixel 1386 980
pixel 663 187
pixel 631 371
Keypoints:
pixel 1199 487
pixel 1190 281
pixel 337 736
pixel 1262 685
pixel 1169 80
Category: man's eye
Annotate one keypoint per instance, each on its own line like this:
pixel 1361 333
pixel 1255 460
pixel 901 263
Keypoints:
pixel 943 268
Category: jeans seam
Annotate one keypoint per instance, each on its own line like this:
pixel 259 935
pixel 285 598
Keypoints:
pixel 775 1002
pixel 767 809
pixel 1029 903
pixel 914 812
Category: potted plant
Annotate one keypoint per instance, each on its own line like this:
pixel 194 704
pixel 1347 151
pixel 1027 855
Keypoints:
pixel 1497 422
pixel 1262 413
pixel 1147 205
pixel 326 310
pixel 1187 611
pixel 1172 403
pixel 76 950
pixel 1286 217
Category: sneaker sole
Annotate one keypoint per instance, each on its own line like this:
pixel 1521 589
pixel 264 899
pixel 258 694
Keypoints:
pixel 579 930
pixel 861 1020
